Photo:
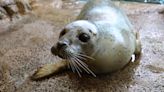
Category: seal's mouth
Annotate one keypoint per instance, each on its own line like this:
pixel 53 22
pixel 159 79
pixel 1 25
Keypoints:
pixel 59 52
pixel 61 56
pixel 75 60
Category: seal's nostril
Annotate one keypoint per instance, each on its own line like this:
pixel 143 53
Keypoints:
pixel 61 45
pixel 53 50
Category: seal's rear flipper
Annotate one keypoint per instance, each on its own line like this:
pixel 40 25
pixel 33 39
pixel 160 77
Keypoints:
pixel 48 70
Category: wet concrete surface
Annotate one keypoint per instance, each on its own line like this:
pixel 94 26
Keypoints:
pixel 25 46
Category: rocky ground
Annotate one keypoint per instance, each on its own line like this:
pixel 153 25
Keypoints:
pixel 25 44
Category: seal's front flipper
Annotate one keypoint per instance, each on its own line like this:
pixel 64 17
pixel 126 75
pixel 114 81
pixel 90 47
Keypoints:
pixel 48 70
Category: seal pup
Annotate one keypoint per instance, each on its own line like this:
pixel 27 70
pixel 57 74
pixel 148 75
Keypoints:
pixel 100 40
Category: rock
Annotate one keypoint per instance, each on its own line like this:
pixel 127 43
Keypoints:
pixel 14 8
pixel 48 3
pixel 2 13
pixel 23 6
pixel 6 2
pixel 57 4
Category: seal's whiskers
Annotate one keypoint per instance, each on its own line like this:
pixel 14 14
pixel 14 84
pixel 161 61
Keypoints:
pixel 79 63
pixel 85 56
pixel 70 65
pixel 73 65
pixel 85 67
pixel 76 67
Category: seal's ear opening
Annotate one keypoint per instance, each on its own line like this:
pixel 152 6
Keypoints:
pixel 92 32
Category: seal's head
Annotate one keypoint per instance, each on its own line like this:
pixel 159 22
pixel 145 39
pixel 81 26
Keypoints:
pixel 78 37
pixel 76 42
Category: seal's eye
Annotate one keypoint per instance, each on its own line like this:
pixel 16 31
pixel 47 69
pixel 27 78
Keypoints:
pixel 84 37
pixel 63 32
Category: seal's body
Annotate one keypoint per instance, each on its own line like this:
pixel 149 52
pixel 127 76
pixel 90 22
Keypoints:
pixel 116 40
pixel 101 40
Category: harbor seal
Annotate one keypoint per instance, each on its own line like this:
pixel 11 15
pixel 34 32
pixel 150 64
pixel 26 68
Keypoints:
pixel 100 40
